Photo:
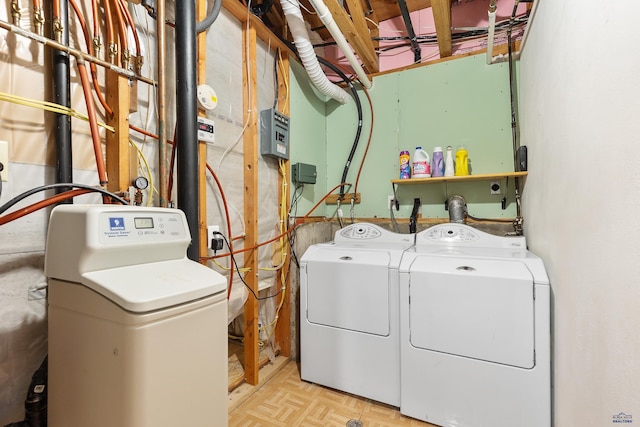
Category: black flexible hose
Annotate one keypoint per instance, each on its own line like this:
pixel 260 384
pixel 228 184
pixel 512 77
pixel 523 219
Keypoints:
pixel 67 185
pixel 356 140
pixel 356 98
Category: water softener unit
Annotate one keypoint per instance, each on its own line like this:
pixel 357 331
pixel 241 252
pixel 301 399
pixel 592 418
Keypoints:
pixel 137 332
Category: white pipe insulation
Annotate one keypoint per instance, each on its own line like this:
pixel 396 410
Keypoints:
pixel 327 19
pixel 291 10
pixel 492 28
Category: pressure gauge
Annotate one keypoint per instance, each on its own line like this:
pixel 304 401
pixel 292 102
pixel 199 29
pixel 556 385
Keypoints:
pixel 141 183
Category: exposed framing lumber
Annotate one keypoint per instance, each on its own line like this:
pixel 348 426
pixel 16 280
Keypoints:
pixel 283 325
pixel 250 86
pixel 239 11
pixel 356 11
pixel 358 37
pixel 442 17
pixel 117 152
pixel 201 49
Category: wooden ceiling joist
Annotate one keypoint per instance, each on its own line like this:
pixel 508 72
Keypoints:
pixel 358 38
pixel 442 17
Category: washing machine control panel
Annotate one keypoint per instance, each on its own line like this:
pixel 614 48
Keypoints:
pixel 360 231
pixel 451 233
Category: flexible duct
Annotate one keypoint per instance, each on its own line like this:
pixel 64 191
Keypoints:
pixel 291 10
pixel 327 19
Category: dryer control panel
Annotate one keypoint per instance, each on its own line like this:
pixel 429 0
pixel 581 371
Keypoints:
pixel 360 231
pixel 464 235
pixel 451 234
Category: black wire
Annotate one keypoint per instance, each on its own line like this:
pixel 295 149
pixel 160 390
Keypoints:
pixel 28 193
pixel 233 258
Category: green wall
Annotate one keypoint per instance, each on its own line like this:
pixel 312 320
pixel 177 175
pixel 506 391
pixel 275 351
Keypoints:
pixel 457 102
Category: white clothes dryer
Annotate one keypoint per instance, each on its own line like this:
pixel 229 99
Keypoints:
pixel 475 330
pixel 349 332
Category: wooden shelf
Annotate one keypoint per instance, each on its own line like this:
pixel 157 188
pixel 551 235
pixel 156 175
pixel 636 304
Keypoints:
pixel 467 178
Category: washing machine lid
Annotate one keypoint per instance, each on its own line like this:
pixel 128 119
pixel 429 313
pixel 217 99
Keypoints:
pixel 154 286
pixel 475 308
pixel 349 289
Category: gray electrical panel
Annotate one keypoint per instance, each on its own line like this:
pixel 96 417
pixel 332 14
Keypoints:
pixel 274 134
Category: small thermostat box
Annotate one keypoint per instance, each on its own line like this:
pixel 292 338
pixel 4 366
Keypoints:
pixel 206 130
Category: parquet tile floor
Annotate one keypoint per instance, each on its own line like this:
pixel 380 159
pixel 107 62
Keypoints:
pixel 285 400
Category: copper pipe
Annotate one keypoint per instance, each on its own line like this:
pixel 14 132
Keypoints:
pixel 93 123
pixel 162 100
pixel 111 43
pixel 122 33
pixel 75 52
pixel 57 22
pixel 139 59
pixel 94 73
pixel 97 40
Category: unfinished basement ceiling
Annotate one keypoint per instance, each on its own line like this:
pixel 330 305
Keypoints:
pixel 380 30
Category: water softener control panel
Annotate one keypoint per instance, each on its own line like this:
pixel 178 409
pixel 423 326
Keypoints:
pixel 118 227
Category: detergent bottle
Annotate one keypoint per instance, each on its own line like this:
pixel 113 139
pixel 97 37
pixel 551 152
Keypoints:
pixel 405 165
pixel 462 162
pixel 421 164
pixel 448 162
pixel 438 162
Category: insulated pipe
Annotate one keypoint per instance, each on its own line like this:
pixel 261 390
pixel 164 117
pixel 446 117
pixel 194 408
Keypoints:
pixel 62 95
pixel 491 30
pixel 327 19
pixel 291 10
pixel 187 117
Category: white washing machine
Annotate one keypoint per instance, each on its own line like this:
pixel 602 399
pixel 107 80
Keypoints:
pixel 475 330
pixel 137 332
pixel 349 319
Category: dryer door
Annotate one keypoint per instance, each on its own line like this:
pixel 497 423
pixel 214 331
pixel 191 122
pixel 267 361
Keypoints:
pixel 481 309
pixel 349 288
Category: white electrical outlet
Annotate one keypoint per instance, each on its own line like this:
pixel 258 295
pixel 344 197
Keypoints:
pixel 4 159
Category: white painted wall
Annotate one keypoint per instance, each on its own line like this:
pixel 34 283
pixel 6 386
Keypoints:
pixel 580 118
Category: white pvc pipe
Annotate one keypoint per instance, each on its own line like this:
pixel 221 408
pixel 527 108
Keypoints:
pixel 291 10
pixel 327 19
pixel 492 28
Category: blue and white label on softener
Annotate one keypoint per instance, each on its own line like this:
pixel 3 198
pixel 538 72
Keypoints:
pixel 145 226
pixel 116 223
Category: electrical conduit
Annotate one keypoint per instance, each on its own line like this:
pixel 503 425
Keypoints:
pixel 291 10
pixel 491 30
